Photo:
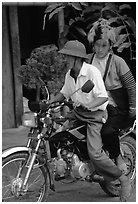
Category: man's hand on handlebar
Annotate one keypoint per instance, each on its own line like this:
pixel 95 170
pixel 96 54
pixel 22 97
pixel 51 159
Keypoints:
pixel 44 105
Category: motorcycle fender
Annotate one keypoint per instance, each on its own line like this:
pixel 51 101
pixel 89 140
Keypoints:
pixel 13 150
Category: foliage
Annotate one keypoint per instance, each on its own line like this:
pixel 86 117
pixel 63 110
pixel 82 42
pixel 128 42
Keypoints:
pixel 79 17
pixel 44 65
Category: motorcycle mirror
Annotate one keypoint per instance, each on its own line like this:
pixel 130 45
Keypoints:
pixel 87 87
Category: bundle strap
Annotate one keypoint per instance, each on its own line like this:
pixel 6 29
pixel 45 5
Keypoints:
pixel 107 67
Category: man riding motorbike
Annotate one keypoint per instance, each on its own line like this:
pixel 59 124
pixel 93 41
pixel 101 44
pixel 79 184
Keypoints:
pixel 91 108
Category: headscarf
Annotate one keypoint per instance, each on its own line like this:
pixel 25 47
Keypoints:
pixel 102 29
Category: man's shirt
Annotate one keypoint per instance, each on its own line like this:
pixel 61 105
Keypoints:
pixel 87 72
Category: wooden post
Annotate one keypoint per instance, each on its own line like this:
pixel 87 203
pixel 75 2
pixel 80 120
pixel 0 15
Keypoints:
pixel 61 21
pixel 8 113
pixel 16 60
pixel 61 24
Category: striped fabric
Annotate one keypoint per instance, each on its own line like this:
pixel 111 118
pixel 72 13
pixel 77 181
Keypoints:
pixel 129 83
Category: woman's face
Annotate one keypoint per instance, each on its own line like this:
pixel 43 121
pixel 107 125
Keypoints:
pixel 101 47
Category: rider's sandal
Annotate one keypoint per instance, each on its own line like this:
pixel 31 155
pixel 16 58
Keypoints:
pixel 125 192
pixel 121 164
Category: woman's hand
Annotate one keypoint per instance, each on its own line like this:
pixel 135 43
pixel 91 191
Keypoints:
pixel 132 112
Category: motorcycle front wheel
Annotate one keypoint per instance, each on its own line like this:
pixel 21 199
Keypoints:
pixel 128 146
pixel 13 173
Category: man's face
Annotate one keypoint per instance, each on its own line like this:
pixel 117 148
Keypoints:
pixel 102 47
pixel 70 59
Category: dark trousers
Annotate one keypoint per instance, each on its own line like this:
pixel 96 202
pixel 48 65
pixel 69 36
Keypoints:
pixel 117 119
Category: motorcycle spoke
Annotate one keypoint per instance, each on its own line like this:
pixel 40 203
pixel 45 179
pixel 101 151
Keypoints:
pixel 35 181
pixel 19 169
pixel 7 186
pixel 6 192
pixel 8 176
pixel 8 198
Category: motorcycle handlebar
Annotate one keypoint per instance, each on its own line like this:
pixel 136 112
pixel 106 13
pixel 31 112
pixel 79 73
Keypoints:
pixel 56 105
pixel 44 105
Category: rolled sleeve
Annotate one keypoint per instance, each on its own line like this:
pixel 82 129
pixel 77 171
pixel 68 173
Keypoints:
pixel 121 66
pixel 65 89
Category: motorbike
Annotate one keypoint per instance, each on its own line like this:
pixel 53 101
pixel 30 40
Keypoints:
pixel 54 154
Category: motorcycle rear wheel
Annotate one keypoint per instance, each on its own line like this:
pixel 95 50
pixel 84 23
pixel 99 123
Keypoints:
pixel 37 185
pixel 128 146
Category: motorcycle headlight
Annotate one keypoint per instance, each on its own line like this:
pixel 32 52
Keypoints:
pixel 30 119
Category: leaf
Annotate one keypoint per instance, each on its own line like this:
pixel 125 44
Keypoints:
pixel 118 29
pixel 76 5
pixel 91 20
pixel 55 11
pixel 122 46
pixel 131 23
pixel 66 30
pixel 105 8
pixel 109 9
pixel 79 19
pixel 120 39
pixel 52 7
pixel 84 3
pixel 71 21
pixel 114 20
pixel 124 6
pixel 81 31
pixel 91 9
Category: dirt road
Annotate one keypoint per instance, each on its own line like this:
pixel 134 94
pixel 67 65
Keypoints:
pixel 82 192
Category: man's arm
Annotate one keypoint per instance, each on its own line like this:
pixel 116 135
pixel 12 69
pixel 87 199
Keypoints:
pixel 98 102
